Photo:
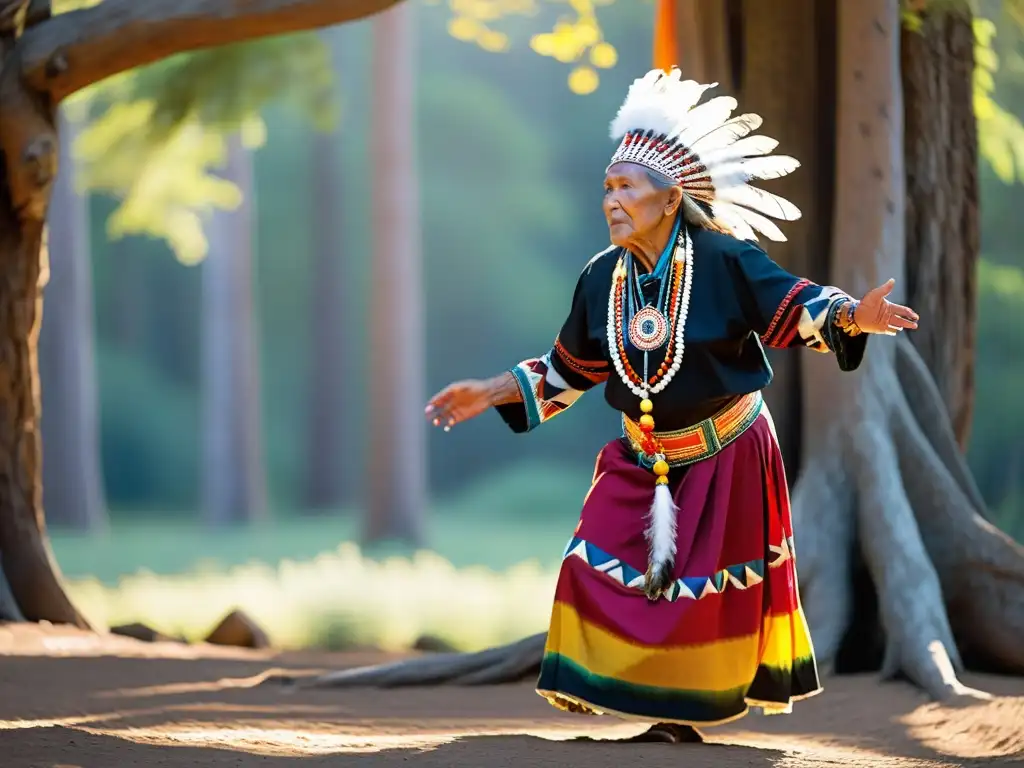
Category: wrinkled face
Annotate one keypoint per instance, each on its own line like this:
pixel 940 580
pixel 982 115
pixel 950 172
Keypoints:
pixel 633 206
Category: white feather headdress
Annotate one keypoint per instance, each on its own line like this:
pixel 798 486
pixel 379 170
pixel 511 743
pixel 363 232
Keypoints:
pixel 706 151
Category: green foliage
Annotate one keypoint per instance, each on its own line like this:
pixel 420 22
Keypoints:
pixel 575 40
pixel 156 136
pixel 63 6
pixel 1000 132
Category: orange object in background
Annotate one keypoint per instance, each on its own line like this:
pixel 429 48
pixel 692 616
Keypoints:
pixel 666 54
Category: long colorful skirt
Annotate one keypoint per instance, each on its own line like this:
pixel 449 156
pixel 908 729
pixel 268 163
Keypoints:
pixel 730 632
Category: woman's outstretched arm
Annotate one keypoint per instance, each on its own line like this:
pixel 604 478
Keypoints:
pixel 467 399
pixel 789 311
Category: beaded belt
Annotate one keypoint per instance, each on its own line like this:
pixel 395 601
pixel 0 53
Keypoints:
pixel 702 440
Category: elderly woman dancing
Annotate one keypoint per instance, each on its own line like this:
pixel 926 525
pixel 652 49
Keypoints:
pixel 677 600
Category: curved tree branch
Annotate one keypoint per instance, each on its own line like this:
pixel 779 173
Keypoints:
pixel 63 54
pixel 76 49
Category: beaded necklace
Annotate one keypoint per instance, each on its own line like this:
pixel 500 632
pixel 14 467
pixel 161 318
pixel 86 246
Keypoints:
pixel 648 327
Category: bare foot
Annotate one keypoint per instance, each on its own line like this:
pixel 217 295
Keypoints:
pixel 669 733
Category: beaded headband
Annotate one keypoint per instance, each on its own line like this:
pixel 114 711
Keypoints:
pixel 704 150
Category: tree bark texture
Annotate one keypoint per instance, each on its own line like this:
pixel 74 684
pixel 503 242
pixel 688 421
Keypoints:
pixel 30 581
pixel 25 553
pixel 943 229
pixel 397 440
pixel 883 488
pixel 72 476
pixel 704 41
pixel 234 479
pixel 327 478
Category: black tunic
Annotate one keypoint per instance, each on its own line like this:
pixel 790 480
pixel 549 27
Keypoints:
pixel 740 302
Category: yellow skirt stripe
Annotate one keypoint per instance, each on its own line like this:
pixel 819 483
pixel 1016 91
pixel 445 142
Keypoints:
pixel 719 666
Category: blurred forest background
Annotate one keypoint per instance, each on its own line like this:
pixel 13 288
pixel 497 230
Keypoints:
pixel 262 313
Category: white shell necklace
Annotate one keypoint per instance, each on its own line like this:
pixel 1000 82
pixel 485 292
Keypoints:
pixel 619 326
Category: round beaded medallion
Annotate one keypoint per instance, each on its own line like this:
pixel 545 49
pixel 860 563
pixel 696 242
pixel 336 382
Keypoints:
pixel 648 329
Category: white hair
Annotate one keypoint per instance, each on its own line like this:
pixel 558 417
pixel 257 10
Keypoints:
pixel 692 212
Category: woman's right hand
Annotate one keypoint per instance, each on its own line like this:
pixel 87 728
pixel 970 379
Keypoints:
pixel 461 401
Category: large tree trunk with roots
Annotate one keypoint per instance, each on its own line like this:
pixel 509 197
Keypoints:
pixel 48 60
pixel 898 569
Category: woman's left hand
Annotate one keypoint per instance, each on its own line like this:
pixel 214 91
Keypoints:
pixel 876 314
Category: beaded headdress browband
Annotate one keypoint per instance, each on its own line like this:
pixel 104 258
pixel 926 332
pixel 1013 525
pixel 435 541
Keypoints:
pixel 706 151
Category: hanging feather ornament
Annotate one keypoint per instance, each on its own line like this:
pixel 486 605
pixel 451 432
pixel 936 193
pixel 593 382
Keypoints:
pixel 661 542
pixel 708 152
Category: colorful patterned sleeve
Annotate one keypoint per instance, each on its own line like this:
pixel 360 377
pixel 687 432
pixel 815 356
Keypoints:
pixel 553 382
pixel 788 311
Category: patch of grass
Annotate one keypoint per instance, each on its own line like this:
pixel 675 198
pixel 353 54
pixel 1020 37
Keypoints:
pixel 489 577
pixel 337 599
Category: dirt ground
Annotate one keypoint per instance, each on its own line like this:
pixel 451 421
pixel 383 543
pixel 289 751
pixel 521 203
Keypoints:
pixel 73 700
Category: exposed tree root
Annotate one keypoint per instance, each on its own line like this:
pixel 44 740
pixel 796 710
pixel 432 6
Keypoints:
pixel 981 568
pixel 908 588
pixel 504 664
pixel 929 409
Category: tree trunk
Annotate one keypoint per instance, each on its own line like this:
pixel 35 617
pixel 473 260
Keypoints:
pixel 29 578
pixel 28 565
pixel 72 476
pixel 234 482
pixel 884 502
pixel 397 476
pixel 326 482
pixel 705 43
pixel 943 229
